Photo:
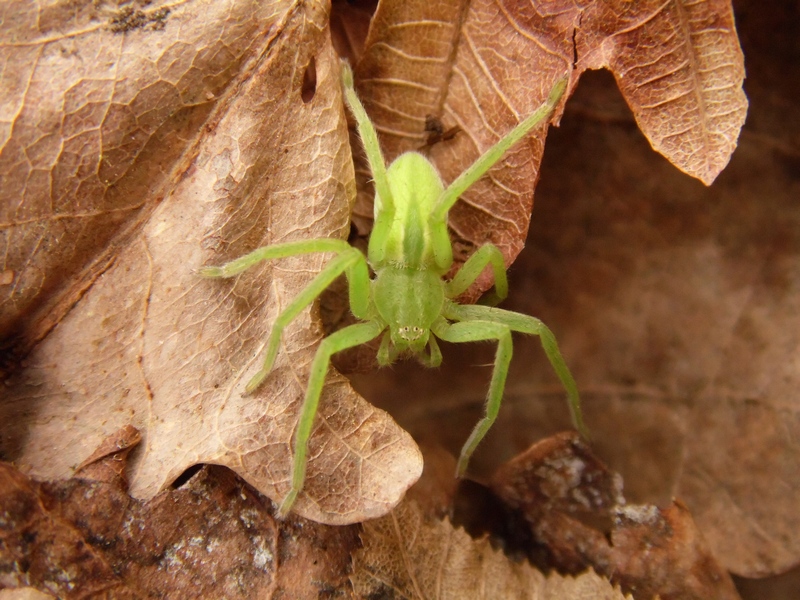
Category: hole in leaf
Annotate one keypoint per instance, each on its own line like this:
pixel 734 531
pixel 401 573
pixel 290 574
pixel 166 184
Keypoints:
pixel 309 87
pixel 184 477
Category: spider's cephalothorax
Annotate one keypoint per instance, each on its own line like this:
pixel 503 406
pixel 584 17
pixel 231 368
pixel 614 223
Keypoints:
pixel 407 301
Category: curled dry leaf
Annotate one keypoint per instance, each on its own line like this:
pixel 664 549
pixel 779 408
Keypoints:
pixel 680 68
pixel 482 65
pixel 110 461
pixel 407 555
pixel 574 507
pixel 150 343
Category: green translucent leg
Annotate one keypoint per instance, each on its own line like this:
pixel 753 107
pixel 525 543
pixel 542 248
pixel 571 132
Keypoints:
pixel 476 331
pixel 532 326
pixel 434 358
pixel 275 251
pixel 369 138
pixel 351 262
pixel 386 354
pixel 478 169
pixel 469 272
pixel 351 336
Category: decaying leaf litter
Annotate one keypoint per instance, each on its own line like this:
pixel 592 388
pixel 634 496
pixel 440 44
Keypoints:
pixel 645 192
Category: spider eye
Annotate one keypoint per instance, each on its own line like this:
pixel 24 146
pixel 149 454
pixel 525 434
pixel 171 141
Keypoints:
pixel 410 333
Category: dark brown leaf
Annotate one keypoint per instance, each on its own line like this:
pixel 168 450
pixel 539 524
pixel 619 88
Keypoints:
pixel 215 537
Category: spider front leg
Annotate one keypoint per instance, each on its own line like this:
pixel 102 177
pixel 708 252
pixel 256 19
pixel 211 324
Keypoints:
pixel 477 331
pixel 488 159
pixel 349 261
pixel 353 335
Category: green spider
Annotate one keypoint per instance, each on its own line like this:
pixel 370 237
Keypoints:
pixel 407 300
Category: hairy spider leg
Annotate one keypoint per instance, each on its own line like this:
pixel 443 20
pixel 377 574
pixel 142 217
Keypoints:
pixel 474 266
pixel 488 159
pixel 477 331
pixel 402 235
pixel 353 335
pixel 349 261
pixel 369 138
pixel 434 357
pixel 532 326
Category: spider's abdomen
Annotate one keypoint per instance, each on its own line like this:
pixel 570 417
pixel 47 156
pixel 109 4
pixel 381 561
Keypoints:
pixel 406 237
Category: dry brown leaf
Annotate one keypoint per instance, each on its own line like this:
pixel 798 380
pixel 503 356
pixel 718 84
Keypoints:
pixel 349 26
pixel 680 68
pixel 408 555
pixel 213 538
pixel 465 64
pixel 150 343
pixel 687 349
pixel 25 593
pixel 76 538
pixel 483 65
pixel 98 102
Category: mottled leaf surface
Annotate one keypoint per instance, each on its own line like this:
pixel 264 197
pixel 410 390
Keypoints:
pixel 149 343
pixel 573 505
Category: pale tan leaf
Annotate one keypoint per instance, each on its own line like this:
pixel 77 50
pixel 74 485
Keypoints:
pixel 151 343
pixel 410 556
pixel 97 103
pixel 26 593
